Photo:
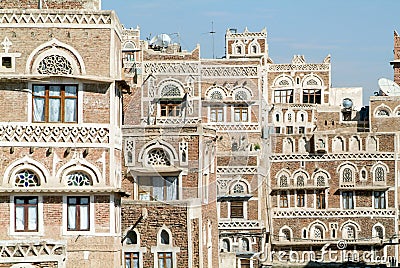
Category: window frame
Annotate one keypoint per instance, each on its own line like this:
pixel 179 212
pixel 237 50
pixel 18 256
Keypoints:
pixel 170 108
pixel 243 113
pixel 312 95
pixel 285 95
pixel 148 190
pixel 379 201
pixel 77 219
pixel 63 99
pixel 217 114
pixel 348 200
pixel 237 210
pixel 283 199
pixel 26 217
pixel 320 199
pixel 301 198
pixel 132 256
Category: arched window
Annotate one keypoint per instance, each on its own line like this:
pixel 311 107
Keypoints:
pixel 378 232
pixel 238 49
pixel 349 232
pixel 318 233
pixel 320 180
pixel 55 65
pixel 241 95
pixel 238 189
pixel 286 234
pixel 131 238
pixel 254 49
pixel 216 95
pixel 347 175
pixel 379 174
pixel 245 245
pixel 226 245
pixel 283 181
pixel 158 157
pixel 78 179
pixel 26 178
pixel 300 181
pixel 164 237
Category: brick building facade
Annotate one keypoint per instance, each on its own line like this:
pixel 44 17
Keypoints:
pixel 150 156
pixel 60 140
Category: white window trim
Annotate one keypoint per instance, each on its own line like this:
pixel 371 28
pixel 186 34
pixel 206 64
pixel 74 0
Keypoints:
pixel 233 114
pixel 134 248
pixel 244 211
pixel 91 230
pixel 40 218
pixel 223 115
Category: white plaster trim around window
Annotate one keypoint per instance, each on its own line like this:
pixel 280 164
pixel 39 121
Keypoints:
pixel 40 222
pixel 65 218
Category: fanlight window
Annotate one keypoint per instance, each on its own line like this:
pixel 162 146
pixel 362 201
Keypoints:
pixel 283 82
pixel 55 65
pixel 241 95
pixel 300 181
pixel 170 91
pixel 216 95
pixel 158 157
pixel 379 174
pixel 318 233
pixel 283 181
pixel 26 178
pixel 320 181
pixel 238 189
pixel 312 82
pixel 383 112
pixel 347 175
pixel 78 179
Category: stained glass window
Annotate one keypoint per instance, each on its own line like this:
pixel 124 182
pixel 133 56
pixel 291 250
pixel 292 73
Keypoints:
pixel 78 179
pixel 26 178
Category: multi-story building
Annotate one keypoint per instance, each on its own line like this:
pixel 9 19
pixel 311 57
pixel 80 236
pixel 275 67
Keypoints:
pixel 332 181
pixel 119 152
pixel 60 134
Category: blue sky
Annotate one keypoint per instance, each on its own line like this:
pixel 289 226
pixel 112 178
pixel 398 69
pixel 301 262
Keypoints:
pixel 358 34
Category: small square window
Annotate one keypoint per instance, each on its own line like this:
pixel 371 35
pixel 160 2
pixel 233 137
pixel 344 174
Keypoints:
pixel 277 130
pixel 6 62
pixel 302 130
pixel 289 130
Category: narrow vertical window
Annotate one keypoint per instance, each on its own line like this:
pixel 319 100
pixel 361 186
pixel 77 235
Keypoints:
pixel 78 213
pixel 26 214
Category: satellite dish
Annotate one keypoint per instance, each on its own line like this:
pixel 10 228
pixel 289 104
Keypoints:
pixel 161 40
pixel 347 103
pixel 389 87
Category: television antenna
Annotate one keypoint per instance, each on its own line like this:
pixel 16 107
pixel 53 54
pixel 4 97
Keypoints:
pixel 389 87
pixel 212 32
